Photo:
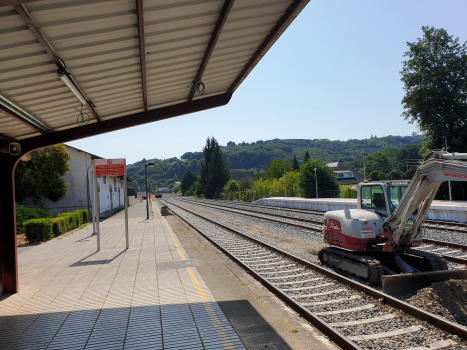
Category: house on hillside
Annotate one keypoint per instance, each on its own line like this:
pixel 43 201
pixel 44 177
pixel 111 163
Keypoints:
pixel 80 193
pixel 344 174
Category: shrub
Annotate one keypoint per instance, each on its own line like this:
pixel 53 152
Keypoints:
pixel 85 215
pixel 72 222
pixel 24 214
pixel 37 230
pixel 60 225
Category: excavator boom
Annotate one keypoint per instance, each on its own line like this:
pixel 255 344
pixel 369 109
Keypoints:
pixel 441 166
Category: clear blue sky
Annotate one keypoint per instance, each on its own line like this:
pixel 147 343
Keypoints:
pixel 333 74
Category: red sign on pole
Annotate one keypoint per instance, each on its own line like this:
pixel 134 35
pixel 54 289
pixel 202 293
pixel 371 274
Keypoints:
pixel 109 167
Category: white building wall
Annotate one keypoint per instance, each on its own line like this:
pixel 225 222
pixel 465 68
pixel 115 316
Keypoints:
pixel 81 189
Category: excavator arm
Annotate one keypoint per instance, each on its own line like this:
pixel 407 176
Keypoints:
pixel 441 166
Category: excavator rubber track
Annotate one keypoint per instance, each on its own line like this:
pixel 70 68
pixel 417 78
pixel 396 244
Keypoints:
pixel 436 262
pixel 351 262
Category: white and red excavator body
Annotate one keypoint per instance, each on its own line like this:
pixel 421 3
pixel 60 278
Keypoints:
pixel 377 237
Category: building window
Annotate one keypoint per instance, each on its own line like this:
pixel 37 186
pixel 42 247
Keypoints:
pixel 105 180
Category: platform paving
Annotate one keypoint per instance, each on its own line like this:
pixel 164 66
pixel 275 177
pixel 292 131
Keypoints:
pixel 150 296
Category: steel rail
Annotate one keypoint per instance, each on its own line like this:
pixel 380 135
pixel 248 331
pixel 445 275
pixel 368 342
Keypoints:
pixel 259 217
pixel 411 310
pixel 337 337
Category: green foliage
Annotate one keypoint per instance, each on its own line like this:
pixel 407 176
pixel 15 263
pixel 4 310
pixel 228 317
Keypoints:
pixel 188 180
pixel 42 175
pixel 246 183
pixel 37 230
pixel 84 215
pixel 276 169
pixel 326 179
pixel 251 159
pixel 60 225
pixel 295 165
pixel 270 187
pixel 348 191
pixel 377 175
pixel 394 175
pixel 408 175
pixel 135 186
pixel 306 156
pixel 232 186
pixel 26 213
pixel 213 173
pixel 75 219
pixel 435 84
pixel 390 159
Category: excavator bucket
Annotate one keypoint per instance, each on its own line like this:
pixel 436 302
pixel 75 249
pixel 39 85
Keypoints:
pixel 412 282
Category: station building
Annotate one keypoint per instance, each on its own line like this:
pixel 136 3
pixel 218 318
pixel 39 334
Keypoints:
pixel 81 187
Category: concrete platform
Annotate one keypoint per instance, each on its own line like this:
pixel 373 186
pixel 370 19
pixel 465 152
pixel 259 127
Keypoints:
pixel 159 294
pixel 439 210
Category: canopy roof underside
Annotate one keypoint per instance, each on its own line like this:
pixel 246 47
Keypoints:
pixel 126 60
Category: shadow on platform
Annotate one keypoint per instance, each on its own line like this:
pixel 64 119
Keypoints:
pixel 191 326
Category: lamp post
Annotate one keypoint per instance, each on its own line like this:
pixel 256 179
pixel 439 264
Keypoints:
pixel 449 182
pixel 150 165
pixel 316 182
pixel 285 184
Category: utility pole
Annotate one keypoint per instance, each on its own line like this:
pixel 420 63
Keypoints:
pixel 316 182
pixel 285 184
pixel 364 170
pixel 449 182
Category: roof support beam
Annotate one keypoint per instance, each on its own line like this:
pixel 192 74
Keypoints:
pixel 15 112
pixel 127 121
pixel 142 49
pixel 212 43
pixel 36 31
pixel 15 2
pixel 290 14
pixel 3 137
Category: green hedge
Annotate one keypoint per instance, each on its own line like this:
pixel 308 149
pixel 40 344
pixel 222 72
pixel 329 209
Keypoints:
pixel 25 213
pixel 85 215
pixel 37 230
pixel 60 225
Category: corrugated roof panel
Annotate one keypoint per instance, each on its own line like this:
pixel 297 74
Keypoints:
pixel 249 23
pixel 14 128
pixel 98 41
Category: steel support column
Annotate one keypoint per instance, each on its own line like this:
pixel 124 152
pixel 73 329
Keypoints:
pixel 8 252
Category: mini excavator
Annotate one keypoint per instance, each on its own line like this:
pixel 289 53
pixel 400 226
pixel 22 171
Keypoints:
pixel 377 238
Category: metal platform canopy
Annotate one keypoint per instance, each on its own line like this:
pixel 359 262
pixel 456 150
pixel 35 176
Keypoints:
pixel 128 62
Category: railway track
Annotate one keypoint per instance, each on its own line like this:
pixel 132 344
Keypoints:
pixel 431 224
pixel 451 252
pixel 351 314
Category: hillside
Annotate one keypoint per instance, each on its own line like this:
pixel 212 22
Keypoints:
pixel 245 159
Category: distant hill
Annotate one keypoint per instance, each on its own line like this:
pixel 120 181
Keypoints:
pixel 245 159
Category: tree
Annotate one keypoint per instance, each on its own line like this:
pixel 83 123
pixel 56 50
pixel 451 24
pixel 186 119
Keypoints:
pixel 135 186
pixel 377 175
pixel 246 183
pixel 232 186
pixel 276 169
pixel 188 179
pixel 435 84
pixel 295 165
pixel 327 180
pixel 41 177
pixel 213 173
pixel 394 175
pixel 176 178
pixel 306 157
pixel 408 175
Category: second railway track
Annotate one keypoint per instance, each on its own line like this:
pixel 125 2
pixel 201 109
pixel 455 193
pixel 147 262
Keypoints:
pixel 351 314
pixel 452 252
